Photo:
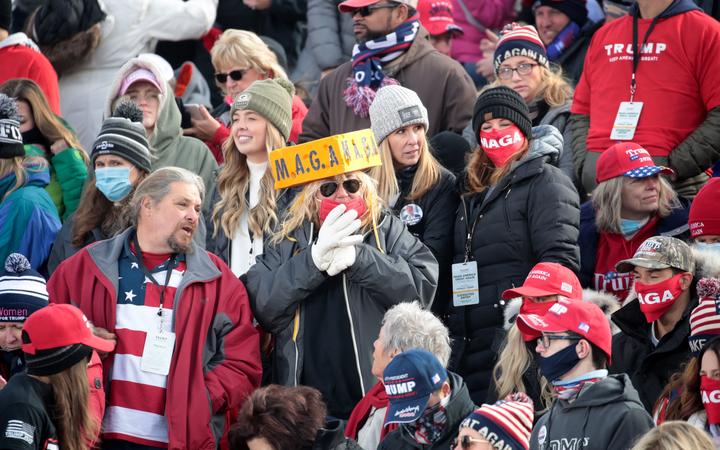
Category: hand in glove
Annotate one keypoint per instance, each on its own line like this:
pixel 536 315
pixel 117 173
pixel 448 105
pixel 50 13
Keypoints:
pixel 336 231
pixel 343 258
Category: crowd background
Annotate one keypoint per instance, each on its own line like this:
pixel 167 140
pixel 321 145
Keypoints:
pixel 359 224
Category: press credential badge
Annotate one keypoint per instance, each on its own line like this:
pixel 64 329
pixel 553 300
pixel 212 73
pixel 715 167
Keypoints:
pixel 465 284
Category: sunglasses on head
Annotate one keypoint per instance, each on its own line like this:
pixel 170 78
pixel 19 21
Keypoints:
pixel 466 441
pixel 236 75
pixel 367 10
pixel 350 185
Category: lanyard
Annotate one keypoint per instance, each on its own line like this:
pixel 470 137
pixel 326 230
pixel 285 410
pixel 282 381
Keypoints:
pixel 636 49
pixel 171 265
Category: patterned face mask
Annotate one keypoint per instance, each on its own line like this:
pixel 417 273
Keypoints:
pixel 430 427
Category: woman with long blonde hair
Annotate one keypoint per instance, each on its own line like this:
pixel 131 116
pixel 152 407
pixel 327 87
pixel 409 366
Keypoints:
pixel 240 58
pixel 245 208
pixel 337 263
pixel 518 209
pixel 48 136
pixel 411 181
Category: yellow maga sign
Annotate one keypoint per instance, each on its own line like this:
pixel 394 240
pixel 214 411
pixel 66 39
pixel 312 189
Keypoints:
pixel 323 158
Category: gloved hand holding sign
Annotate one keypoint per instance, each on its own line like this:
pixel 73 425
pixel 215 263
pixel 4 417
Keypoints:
pixel 335 232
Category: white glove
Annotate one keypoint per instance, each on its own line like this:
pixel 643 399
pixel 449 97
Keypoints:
pixel 343 258
pixel 336 231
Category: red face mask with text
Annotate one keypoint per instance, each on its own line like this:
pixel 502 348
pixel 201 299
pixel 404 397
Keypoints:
pixel 501 145
pixel 656 299
pixel 538 308
pixel 710 394
pixel 327 205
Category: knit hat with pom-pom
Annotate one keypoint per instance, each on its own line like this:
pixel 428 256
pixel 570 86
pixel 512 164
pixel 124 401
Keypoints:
pixel 123 135
pixel 22 290
pixel 272 99
pixel 11 143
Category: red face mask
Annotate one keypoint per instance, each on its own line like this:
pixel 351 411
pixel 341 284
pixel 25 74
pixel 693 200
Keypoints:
pixel 710 393
pixel 530 307
pixel 656 299
pixel 501 145
pixel 327 205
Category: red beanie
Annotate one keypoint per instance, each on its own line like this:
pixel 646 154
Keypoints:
pixel 704 216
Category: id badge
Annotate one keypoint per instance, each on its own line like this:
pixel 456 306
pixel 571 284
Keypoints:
pixel 465 284
pixel 158 352
pixel 626 121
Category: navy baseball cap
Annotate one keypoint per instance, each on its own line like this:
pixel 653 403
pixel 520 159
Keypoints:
pixel 410 379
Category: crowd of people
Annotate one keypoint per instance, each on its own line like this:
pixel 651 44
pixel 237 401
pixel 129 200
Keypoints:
pixel 359 224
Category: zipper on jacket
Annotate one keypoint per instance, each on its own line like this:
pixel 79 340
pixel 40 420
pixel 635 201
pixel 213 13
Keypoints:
pixel 352 335
pixel 296 330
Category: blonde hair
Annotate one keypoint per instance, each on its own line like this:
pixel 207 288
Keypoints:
pixel 13 165
pixel 49 125
pixel 554 89
pixel 513 361
pixel 607 202
pixel 305 206
pixel 426 177
pixel 240 46
pixel 233 185
pixel 675 435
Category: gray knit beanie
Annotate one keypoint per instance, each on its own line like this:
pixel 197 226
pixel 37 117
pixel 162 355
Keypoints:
pixel 123 135
pixel 272 99
pixel 396 107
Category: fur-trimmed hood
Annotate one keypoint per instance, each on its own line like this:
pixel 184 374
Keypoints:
pixel 607 302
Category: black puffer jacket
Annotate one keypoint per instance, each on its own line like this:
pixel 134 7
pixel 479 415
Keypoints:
pixel 532 215
pixel 437 216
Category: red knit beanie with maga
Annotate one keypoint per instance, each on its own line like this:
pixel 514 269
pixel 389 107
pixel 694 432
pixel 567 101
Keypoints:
pixel 704 216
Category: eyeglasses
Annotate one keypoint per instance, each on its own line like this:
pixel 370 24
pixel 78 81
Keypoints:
pixel 546 339
pixel 466 441
pixel 505 73
pixel 367 10
pixel 350 185
pixel 236 75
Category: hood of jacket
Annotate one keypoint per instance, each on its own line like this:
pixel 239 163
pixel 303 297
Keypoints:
pixel 330 436
pixel 167 127
pixel 613 389
pixel 554 112
pixel 19 39
pixel 547 142
pixel 675 8
pixel 607 302
pixel 36 174
pixel 458 408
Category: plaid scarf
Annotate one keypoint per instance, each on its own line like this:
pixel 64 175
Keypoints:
pixel 367 60
pixel 429 427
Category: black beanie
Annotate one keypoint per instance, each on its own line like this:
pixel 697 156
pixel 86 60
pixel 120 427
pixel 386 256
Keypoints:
pixel 124 135
pixel 576 10
pixel 58 20
pixel 55 360
pixel 5 14
pixel 451 150
pixel 502 102
pixel 11 143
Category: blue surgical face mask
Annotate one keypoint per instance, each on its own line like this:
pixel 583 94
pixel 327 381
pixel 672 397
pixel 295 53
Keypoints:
pixel 559 363
pixel 113 182
pixel 628 227
pixel 714 247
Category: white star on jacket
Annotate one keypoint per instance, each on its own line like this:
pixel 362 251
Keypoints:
pixel 129 296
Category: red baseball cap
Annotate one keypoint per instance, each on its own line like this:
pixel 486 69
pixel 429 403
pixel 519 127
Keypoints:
pixel 351 5
pixel 58 326
pixel 704 218
pixel 437 17
pixel 583 318
pixel 545 279
pixel 627 159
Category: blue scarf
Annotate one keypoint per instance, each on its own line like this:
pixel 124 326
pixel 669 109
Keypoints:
pixel 367 60
pixel 562 41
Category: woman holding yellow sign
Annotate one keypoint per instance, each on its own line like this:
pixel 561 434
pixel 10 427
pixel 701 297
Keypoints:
pixel 335 266
pixel 411 182
pixel 245 200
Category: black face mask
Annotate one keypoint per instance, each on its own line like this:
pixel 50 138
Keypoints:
pixel 34 136
pixel 558 364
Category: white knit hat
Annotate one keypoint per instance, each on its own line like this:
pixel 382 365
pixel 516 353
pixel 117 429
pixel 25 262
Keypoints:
pixel 395 107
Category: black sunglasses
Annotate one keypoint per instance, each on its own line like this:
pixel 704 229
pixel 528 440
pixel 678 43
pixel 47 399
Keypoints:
pixel 466 441
pixel 235 75
pixel 367 10
pixel 351 185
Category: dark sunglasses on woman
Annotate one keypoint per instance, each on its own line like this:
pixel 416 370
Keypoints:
pixel 236 75
pixel 350 185
pixel 466 441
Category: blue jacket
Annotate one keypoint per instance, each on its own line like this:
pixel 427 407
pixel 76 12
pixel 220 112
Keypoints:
pixel 28 217
pixel 674 225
